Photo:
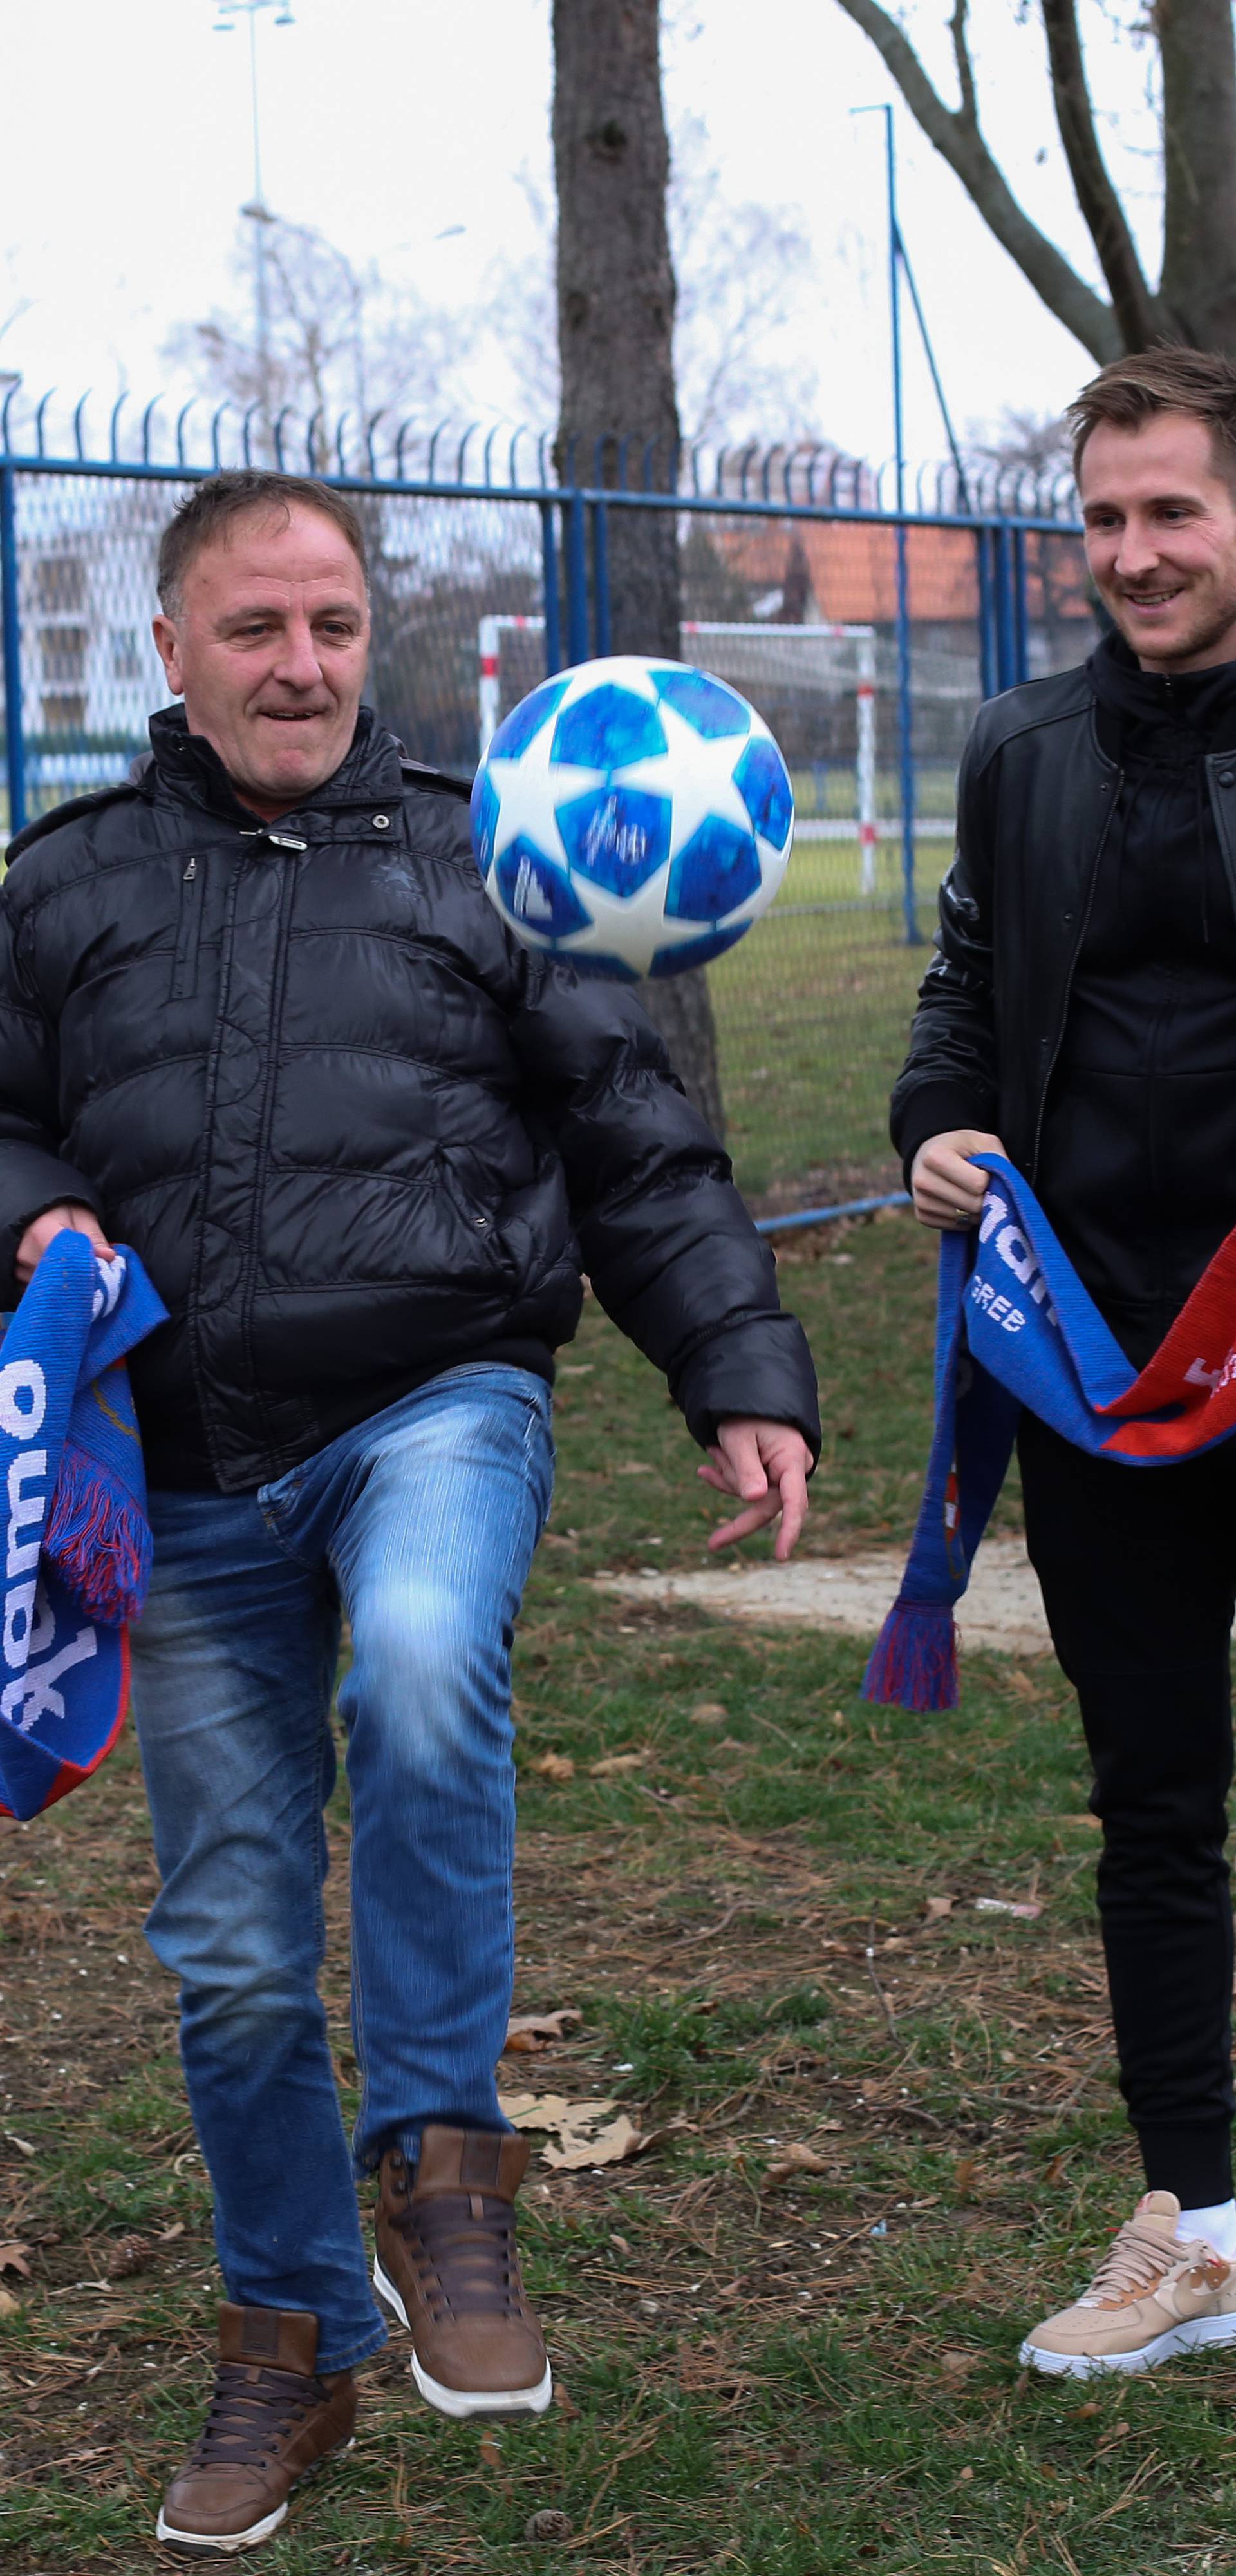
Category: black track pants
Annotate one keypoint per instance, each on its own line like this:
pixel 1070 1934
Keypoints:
pixel 1138 1569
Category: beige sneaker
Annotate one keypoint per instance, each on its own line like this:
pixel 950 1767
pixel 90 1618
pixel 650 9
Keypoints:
pixel 1150 2298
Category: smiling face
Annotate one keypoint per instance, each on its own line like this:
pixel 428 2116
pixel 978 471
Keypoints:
pixel 1161 540
pixel 268 649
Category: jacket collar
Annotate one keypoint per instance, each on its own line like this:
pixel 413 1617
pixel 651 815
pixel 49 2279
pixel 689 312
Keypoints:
pixel 190 767
pixel 1167 718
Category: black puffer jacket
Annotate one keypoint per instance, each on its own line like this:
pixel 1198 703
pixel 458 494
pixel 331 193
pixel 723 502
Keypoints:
pixel 1036 800
pixel 357 1134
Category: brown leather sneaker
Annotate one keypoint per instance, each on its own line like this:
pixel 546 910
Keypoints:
pixel 447 2264
pixel 271 2419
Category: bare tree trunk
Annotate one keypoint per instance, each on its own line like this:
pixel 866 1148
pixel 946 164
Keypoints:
pixel 1199 169
pixel 615 331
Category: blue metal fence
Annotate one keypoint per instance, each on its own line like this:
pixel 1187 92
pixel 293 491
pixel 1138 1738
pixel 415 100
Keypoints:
pixel 784 552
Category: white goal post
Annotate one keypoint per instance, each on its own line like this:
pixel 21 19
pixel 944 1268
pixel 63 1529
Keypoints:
pixel 744 668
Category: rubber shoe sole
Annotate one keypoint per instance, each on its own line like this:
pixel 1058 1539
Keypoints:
pixel 1165 2347
pixel 463 2402
pixel 228 2544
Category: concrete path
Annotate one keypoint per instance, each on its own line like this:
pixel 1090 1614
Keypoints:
pixel 1002 1608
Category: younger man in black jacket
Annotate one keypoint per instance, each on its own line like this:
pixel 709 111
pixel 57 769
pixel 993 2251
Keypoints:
pixel 1081 1007
pixel 259 1020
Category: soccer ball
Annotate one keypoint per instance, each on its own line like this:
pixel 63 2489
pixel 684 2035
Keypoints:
pixel 634 816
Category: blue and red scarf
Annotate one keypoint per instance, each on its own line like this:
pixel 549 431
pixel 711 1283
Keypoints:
pixel 1014 1327
pixel 73 1496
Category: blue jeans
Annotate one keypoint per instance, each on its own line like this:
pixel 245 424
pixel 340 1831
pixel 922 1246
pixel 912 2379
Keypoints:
pixel 423 1522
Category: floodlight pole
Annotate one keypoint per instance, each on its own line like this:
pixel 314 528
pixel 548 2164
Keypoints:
pixel 257 211
pixel 905 704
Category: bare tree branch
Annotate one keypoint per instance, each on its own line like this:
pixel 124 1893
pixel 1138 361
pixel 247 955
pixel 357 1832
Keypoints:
pixel 965 68
pixel 956 135
pixel 1135 306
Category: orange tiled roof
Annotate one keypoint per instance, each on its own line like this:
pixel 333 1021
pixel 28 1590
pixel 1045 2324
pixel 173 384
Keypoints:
pixel 848 569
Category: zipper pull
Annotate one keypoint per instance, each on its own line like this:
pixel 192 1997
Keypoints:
pixel 277 840
pixel 190 872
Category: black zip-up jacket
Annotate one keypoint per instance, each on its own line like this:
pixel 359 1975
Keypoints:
pixel 356 1132
pixel 1036 799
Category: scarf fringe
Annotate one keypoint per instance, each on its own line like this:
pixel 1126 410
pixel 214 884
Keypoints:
pixel 99 1541
pixel 914 1661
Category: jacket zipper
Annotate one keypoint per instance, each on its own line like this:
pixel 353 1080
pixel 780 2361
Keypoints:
pixel 1082 928
pixel 188 934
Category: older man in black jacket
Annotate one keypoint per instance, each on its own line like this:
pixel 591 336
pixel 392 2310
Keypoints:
pixel 261 1022
pixel 1082 1003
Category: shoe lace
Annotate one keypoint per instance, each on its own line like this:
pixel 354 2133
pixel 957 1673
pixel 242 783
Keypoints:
pixel 252 2411
pixel 1136 2260
pixel 463 2245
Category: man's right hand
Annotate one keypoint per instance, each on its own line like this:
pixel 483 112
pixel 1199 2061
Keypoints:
pixel 946 1187
pixel 53 1221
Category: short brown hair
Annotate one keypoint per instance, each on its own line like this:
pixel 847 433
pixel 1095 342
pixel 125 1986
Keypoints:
pixel 214 503
pixel 1132 390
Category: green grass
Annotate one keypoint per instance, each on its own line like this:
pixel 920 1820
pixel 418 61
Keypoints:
pixel 813 1011
pixel 758 2374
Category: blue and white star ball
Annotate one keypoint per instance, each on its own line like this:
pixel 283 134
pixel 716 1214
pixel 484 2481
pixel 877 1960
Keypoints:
pixel 633 816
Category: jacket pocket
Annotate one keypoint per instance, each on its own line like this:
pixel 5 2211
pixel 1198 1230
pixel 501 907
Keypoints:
pixel 189 930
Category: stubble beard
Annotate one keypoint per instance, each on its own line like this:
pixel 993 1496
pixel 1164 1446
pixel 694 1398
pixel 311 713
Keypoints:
pixel 1212 631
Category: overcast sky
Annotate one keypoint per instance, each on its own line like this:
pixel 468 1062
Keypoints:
pixel 399 127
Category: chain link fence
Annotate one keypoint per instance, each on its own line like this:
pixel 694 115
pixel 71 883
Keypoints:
pixel 868 669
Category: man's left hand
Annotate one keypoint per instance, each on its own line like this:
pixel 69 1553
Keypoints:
pixel 766 1464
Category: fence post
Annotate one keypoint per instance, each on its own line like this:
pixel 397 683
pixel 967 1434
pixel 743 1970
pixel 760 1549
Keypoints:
pixel 905 727
pixel 549 586
pixel 1006 639
pixel 15 748
pixel 577 580
pixel 600 578
pixel 988 681
pixel 1021 610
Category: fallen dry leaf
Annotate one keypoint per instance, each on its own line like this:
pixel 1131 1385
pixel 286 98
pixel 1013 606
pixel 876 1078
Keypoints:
pixel 490 2450
pixel 938 1907
pixel 710 1712
pixel 534 2031
pixel 554 1766
pixel 610 2146
pixel 8 2304
pixel 614 1763
pixel 552 2110
pixel 959 2364
pixel 798 2158
pixel 614 2145
pixel 634 1467
pixel 13 2259
pixel 22 2145
pixel 964 2174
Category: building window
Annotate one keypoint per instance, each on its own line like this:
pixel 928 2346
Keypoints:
pixel 64 653
pixel 63 713
pixel 60 585
pixel 126 653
